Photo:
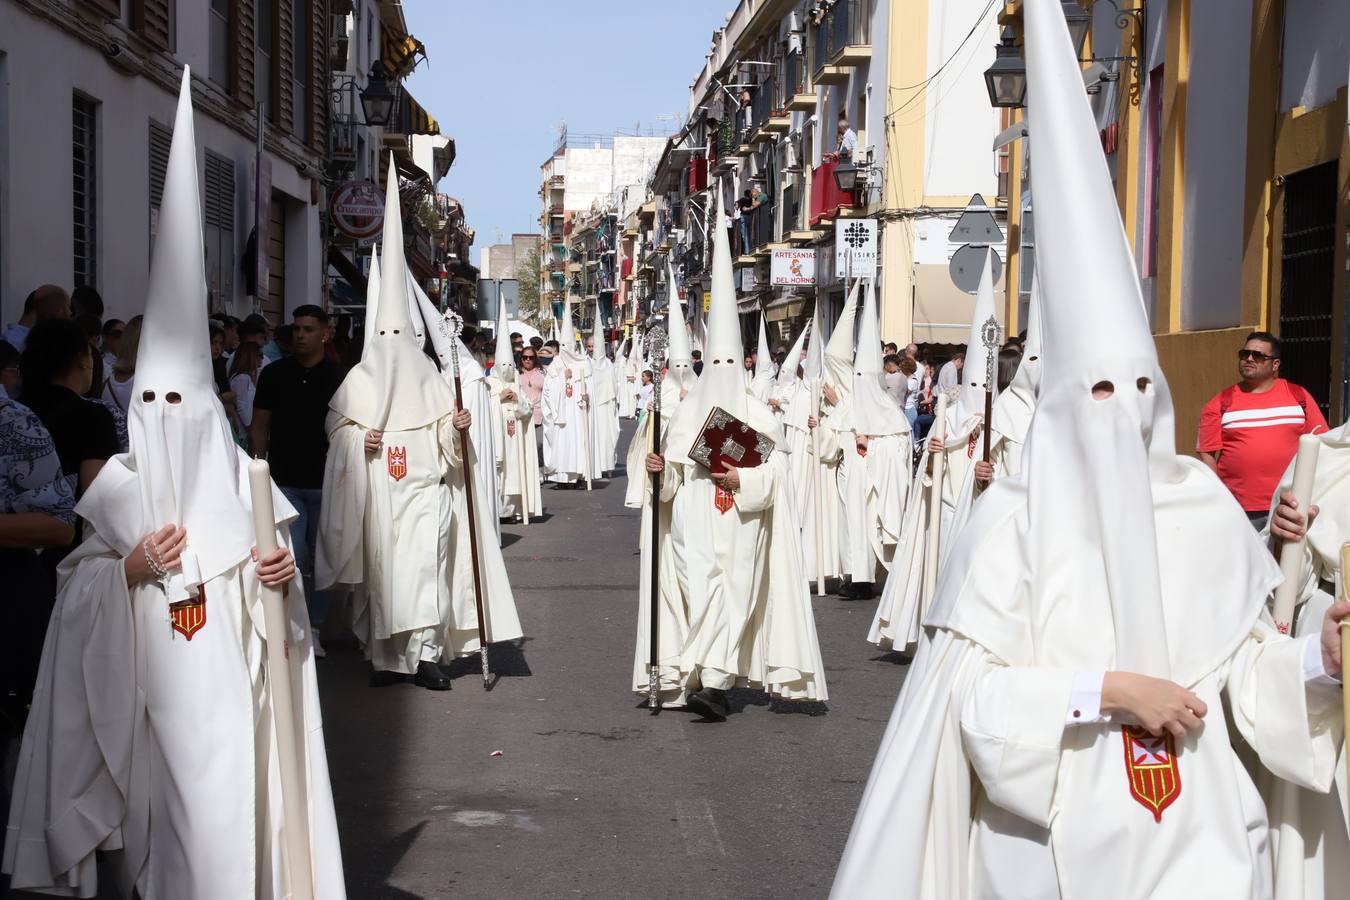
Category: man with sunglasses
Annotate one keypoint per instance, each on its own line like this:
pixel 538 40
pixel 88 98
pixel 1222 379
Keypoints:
pixel 1249 431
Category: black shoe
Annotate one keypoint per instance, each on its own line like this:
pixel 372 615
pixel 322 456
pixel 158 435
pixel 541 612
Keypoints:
pixel 710 703
pixel 379 678
pixel 430 676
pixel 858 590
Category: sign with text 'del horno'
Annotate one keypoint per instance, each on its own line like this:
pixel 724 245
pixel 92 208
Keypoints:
pixel 792 268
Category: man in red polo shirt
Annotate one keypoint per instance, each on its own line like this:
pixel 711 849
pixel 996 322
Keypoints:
pixel 1249 431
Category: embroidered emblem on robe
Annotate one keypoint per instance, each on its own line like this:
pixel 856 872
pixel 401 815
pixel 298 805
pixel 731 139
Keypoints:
pixel 398 462
pixel 723 500
pixel 1151 764
pixel 970 445
pixel 189 616
pixel 862 451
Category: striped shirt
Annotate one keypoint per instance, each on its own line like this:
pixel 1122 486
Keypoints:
pixel 1256 435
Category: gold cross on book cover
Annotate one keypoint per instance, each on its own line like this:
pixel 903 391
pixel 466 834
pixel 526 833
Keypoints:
pixel 725 439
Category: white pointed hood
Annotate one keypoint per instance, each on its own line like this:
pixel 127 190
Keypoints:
pixel 976 370
pixel 598 353
pixel 679 359
pixel 839 348
pixel 503 358
pixel 394 387
pixel 372 299
pixel 469 368
pixel 787 372
pixel 1140 522
pixel 1014 406
pixel 723 382
pixel 764 371
pixel 183 466
pixel 874 411
pixel 813 367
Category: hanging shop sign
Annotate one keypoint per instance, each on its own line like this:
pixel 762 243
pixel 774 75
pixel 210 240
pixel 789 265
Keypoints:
pixel 793 268
pixel 357 210
pixel 855 248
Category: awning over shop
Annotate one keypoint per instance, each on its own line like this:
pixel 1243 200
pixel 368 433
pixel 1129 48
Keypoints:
pixel 412 118
pixel 942 311
pixel 399 51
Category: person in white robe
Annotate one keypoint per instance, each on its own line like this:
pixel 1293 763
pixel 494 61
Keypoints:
pixel 762 384
pixel 152 727
pixel 877 454
pixel 906 597
pixel 604 400
pixel 627 371
pixel 673 613
pixel 816 477
pixel 386 525
pixel 1308 828
pixel 519 482
pixel 737 541
pixel 837 447
pixel 1062 732
pixel 792 402
pixel 486 413
pixel 570 451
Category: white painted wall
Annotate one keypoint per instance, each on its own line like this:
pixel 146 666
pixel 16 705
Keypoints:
pixel 1316 52
pixel 958 159
pixel 1216 158
pixel 590 174
pixel 43 66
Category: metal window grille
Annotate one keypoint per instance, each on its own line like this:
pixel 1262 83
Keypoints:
pixel 1308 274
pixel 84 199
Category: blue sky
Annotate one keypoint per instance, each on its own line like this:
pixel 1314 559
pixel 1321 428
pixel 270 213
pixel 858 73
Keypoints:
pixel 502 74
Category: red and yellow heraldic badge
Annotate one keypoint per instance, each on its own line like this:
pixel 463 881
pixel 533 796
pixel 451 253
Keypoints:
pixel 398 462
pixel 1151 764
pixel 189 616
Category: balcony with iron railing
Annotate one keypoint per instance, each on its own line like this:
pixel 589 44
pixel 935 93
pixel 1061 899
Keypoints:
pixel 842 41
pixel 762 232
pixel 797 96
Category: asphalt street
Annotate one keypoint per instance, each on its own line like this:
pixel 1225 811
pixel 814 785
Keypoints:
pixel 591 795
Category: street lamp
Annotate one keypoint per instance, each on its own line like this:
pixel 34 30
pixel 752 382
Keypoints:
pixel 378 98
pixel 1080 23
pixel 846 176
pixel 1006 79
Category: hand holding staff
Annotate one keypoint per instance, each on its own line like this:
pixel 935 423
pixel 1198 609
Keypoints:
pixel 452 325
pixel 297 874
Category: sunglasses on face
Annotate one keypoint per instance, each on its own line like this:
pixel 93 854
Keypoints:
pixel 527 356
pixel 1256 355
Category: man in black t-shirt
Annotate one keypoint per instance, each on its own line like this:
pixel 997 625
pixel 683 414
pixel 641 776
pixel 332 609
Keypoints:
pixel 289 411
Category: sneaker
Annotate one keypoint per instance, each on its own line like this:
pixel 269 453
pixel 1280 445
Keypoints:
pixel 319 652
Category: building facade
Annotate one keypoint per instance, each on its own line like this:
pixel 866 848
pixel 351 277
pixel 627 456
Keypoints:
pixel 87 96
pixel 1225 128
pixel 764 128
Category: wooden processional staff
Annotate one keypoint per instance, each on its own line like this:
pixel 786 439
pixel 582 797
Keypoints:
pixel 452 325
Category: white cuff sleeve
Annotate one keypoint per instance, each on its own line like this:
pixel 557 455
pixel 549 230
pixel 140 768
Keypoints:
pixel 1313 670
pixel 1085 700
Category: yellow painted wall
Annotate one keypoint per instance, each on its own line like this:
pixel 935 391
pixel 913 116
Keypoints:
pixel 1198 364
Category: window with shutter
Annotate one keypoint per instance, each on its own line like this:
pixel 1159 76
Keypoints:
pixel 219 27
pixel 242 52
pixel 218 230
pixel 283 67
pixel 302 21
pixel 154 21
pixel 160 139
pixel 317 94
pixel 264 62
